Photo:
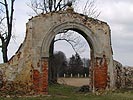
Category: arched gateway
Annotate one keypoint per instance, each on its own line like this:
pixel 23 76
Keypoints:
pixel 32 57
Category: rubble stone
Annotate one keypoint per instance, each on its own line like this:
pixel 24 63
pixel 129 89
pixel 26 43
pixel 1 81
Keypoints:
pixel 123 75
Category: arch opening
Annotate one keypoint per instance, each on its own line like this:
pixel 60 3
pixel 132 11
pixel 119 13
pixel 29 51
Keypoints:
pixel 99 63
pixel 75 66
pixel 80 29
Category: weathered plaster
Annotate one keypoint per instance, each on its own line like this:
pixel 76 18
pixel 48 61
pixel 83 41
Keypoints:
pixel 30 64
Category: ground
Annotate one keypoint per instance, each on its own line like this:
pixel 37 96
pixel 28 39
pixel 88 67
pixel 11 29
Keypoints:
pixel 65 92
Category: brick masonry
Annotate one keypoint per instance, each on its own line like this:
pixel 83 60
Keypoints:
pixel 40 79
pixel 30 63
pixel 100 73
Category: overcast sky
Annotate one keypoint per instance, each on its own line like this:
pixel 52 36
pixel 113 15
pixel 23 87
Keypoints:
pixel 117 13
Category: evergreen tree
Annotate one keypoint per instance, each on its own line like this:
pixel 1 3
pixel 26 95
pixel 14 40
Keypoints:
pixel 75 65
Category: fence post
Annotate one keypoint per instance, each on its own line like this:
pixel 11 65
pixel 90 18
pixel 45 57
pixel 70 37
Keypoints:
pixel 78 75
pixel 64 75
pixel 85 75
pixel 71 75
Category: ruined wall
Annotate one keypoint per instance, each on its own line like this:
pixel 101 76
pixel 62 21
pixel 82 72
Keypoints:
pixel 129 76
pixel 118 74
pixel 123 76
pixel 19 68
pixel 30 63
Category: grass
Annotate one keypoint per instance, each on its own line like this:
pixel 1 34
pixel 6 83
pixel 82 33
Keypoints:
pixel 62 92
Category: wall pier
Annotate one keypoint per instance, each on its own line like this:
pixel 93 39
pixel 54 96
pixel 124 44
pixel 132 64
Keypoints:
pixel 100 74
pixel 40 79
pixel 44 76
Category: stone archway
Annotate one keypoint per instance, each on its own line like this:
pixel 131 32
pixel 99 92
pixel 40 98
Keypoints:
pixel 33 55
pixel 97 34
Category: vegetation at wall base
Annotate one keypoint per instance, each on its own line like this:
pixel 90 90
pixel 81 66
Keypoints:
pixel 63 92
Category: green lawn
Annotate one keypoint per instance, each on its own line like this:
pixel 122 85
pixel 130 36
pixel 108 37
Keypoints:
pixel 61 92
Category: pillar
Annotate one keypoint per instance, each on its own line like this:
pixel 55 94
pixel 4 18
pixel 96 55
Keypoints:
pixel 100 75
pixel 44 76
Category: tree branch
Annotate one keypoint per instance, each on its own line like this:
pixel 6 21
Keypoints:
pixel 58 5
pixel 45 7
pixel 50 2
pixel 2 3
pixel 65 40
pixel 33 8
pixel 54 4
pixel 9 20
pixel 1 10
pixel 2 20
pixel 69 41
pixel 12 10
pixel 90 9
pixel 2 38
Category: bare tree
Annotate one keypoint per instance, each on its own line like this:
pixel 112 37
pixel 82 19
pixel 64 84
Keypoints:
pixel 6 20
pixel 90 9
pixel 72 38
pixel 45 6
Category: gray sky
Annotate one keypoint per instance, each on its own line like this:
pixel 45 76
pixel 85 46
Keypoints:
pixel 117 13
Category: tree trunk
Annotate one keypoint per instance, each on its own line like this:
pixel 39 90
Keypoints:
pixel 6 36
pixel 52 72
pixel 50 64
pixel 4 52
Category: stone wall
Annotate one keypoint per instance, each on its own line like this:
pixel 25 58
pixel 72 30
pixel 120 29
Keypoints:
pixel 128 72
pixel 123 76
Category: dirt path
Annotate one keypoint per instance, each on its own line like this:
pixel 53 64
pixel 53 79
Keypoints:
pixel 74 81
